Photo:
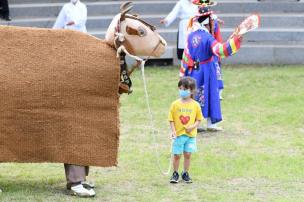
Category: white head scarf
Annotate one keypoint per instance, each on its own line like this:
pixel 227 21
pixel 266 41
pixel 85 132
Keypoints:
pixel 206 21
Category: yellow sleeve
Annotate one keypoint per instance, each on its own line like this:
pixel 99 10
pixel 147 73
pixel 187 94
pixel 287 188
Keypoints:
pixel 170 115
pixel 199 115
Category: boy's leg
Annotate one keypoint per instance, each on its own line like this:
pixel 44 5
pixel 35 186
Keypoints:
pixel 175 175
pixel 177 150
pixel 190 147
pixel 185 174
pixel 187 157
pixel 176 162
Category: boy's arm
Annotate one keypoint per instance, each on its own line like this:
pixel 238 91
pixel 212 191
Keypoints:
pixel 173 130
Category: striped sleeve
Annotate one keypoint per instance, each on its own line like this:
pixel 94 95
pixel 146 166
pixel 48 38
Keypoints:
pixel 217 32
pixel 226 49
pixel 187 63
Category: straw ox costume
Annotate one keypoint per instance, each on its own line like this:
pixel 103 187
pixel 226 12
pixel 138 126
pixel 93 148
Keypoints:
pixel 60 89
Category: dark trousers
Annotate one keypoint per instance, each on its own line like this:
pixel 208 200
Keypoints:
pixel 75 174
pixel 4 11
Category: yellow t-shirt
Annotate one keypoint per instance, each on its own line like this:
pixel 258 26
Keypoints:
pixel 183 115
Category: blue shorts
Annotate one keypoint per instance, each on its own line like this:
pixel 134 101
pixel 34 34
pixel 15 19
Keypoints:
pixel 183 144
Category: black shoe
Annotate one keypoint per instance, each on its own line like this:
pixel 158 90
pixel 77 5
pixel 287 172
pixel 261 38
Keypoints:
pixel 174 178
pixel 186 177
pixel 7 18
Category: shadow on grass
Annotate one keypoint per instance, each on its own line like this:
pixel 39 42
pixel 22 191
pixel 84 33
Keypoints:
pixel 21 186
pixel 207 134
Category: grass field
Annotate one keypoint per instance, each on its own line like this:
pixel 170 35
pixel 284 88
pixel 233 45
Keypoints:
pixel 258 157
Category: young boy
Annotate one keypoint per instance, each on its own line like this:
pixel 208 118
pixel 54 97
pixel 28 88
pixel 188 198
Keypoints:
pixel 184 117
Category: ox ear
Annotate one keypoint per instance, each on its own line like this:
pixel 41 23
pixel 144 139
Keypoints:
pixel 124 9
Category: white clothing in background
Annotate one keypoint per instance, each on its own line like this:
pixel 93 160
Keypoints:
pixel 71 12
pixel 184 10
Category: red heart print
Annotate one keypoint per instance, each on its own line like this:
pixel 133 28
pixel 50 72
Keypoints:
pixel 184 119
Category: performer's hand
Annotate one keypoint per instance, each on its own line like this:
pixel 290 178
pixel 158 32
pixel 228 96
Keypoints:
pixel 70 23
pixel 240 38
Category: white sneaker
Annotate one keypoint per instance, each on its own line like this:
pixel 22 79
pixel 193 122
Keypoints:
pixel 88 185
pixel 0 191
pixel 220 94
pixel 214 128
pixel 80 191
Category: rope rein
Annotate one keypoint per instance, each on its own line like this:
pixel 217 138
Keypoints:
pixel 152 121
pixel 119 40
pixel 155 132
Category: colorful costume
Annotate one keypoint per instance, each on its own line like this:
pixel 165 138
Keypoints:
pixel 199 62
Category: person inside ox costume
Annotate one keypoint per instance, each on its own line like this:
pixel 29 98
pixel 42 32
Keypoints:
pixel 200 61
pixel 73 16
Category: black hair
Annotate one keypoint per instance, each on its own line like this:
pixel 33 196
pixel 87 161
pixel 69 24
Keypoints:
pixel 211 23
pixel 188 83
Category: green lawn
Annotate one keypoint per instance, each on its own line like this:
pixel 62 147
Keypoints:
pixel 258 157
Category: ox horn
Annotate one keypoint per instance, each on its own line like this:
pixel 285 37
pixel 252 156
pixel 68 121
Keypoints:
pixel 125 8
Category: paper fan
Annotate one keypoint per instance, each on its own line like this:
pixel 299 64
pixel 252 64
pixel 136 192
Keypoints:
pixel 250 23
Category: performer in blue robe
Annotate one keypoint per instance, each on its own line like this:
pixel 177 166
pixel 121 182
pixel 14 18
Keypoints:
pixel 200 60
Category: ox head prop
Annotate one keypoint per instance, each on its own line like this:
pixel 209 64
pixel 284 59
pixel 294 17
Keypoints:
pixel 132 36
pixel 137 36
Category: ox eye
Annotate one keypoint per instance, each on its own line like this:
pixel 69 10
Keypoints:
pixel 142 31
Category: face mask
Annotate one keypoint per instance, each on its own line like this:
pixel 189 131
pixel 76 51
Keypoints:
pixel 74 1
pixel 184 93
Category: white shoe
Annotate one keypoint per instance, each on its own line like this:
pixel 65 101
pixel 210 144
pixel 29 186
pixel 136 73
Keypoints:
pixel 220 95
pixel 214 128
pixel 80 191
pixel 88 185
pixel 0 191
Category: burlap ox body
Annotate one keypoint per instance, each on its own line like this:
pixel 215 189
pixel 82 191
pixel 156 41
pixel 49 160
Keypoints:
pixel 59 100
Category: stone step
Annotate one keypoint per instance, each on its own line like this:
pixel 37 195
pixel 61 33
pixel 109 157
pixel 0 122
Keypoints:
pixel 268 55
pixel 262 34
pixel 152 7
pixel 281 29
pixel 277 20
pixel 85 1
pixel 252 53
